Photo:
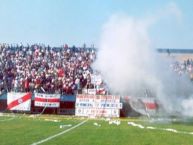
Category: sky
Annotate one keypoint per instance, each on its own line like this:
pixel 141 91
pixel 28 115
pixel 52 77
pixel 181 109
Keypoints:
pixel 75 22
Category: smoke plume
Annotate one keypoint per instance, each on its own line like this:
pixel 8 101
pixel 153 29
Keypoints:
pixel 129 64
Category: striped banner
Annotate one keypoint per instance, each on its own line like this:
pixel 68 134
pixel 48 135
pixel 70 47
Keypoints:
pixel 47 100
pixel 19 101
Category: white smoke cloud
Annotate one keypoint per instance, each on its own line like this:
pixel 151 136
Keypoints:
pixel 130 65
pixel 170 11
pixel 187 106
pixel 175 10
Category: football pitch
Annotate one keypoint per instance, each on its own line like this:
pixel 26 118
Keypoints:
pixel 69 130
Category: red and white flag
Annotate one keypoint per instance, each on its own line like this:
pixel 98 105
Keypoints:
pixel 47 100
pixel 150 103
pixel 101 91
pixel 19 101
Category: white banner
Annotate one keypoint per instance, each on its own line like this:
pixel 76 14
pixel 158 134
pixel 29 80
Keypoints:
pixel 47 100
pixel 89 91
pixel 96 112
pixel 19 101
pixel 98 105
pixel 96 79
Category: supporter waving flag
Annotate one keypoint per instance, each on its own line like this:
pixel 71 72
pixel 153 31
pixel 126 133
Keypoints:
pixel 19 101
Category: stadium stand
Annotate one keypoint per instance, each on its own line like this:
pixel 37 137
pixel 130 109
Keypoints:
pixel 60 70
pixel 40 68
pixel 182 60
pixel 64 70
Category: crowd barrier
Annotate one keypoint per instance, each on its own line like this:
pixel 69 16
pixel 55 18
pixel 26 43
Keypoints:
pixel 70 105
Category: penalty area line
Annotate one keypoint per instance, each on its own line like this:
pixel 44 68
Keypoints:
pixel 58 134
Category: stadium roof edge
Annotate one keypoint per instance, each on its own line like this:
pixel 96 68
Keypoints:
pixel 174 50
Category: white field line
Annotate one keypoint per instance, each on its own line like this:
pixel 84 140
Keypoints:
pixel 163 129
pixel 58 134
pixel 7 119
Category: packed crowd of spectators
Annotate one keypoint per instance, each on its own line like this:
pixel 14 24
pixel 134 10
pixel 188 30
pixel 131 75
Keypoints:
pixel 40 68
pixel 185 67
pixel 64 70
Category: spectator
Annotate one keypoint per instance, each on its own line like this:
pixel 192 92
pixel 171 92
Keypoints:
pixel 37 67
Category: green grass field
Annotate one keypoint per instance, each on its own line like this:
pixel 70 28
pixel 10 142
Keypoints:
pixel 26 130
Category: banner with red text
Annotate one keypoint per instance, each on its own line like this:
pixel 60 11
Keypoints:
pixel 47 100
pixel 98 105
